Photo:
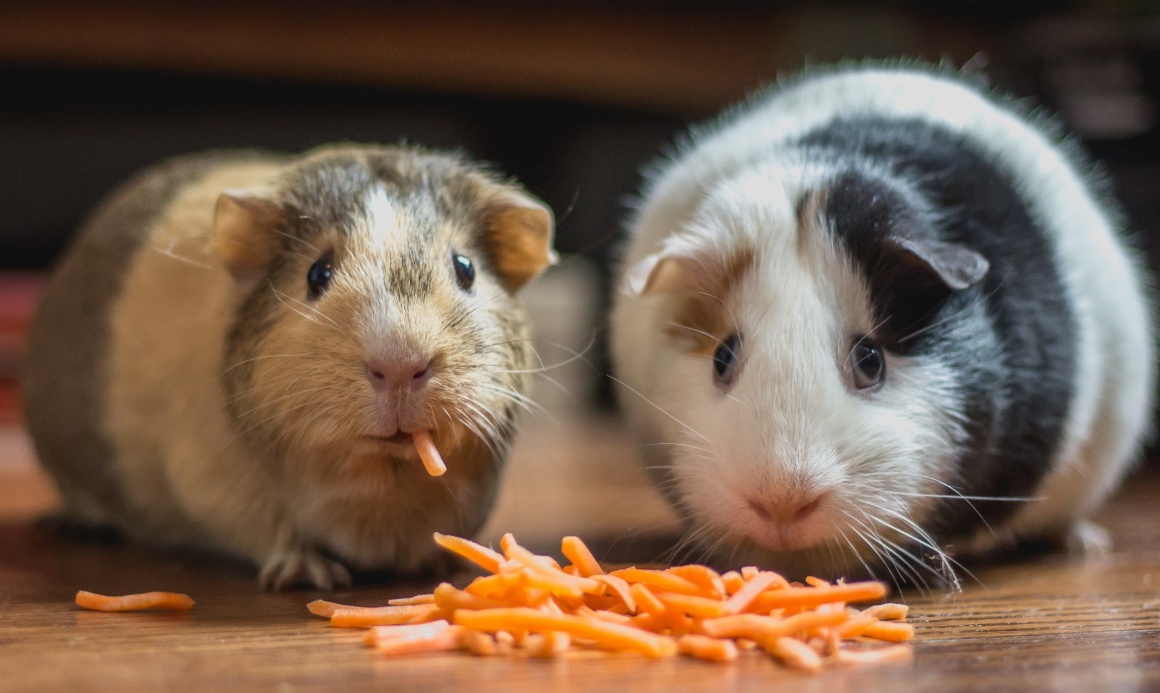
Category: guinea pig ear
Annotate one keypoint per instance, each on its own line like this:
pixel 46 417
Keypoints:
pixel 657 273
pixel 519 230
pixel 954 266
pixel 243 235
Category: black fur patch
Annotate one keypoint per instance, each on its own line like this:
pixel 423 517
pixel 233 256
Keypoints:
pixel 1010 339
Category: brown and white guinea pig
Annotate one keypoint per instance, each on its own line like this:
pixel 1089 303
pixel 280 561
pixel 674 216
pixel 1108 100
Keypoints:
pixel 235 351
pixel 874 319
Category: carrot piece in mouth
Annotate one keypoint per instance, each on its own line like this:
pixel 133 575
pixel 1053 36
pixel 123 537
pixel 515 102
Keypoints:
pixel 425 444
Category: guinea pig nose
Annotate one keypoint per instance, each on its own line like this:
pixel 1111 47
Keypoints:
pixel 409 374
pixel 789 510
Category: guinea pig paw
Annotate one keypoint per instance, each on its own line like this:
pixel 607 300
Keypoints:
pixel 1086 538
pixel 302 566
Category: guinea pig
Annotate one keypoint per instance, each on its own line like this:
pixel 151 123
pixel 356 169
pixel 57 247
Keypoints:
pixel 237 349
pixel 875 320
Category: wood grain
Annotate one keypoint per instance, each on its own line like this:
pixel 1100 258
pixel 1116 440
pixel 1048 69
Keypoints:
pixel 1047 622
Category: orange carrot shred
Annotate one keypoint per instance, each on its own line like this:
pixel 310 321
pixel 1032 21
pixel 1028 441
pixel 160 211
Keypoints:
pixel 410 601
pixel 753 587
pixel 703 647
pixel 480 555
pixel 425 445
pixel 890 631
pixel 877 655
pixel 887 612
pixel 795 654
pixel 170 601
pixel 576 551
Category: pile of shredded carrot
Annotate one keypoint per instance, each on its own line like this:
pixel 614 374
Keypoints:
pixel 531 604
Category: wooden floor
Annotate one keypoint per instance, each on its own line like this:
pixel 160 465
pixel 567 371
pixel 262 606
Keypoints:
pixel 1046 623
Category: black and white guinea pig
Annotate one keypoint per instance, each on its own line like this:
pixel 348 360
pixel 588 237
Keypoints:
pixel 874 319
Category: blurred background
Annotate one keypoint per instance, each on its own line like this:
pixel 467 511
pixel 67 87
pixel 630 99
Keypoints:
pixel 571 98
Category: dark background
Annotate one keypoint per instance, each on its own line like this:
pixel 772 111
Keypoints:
pixel 570 98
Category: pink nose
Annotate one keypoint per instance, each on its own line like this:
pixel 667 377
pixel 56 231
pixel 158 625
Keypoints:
pixel 794 508
pixel 412 375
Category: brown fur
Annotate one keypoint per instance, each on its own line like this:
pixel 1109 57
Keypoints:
pixel 235 410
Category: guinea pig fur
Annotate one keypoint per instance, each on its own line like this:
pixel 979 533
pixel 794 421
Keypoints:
pixel 875 319
pixel 235 350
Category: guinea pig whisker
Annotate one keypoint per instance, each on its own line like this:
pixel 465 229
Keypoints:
pixel 863 337
pixel 999 499
pixel 266 403
pixel 168 252
pixel 901 553
pixel 728 309
pixel 283 297
pixel 259 358
pixel 924 540
pixel 858 554
pixel 574 356
pixel 958 493
pixel 303 241
pixel 678 445
pixel 684 425
pixel 869 537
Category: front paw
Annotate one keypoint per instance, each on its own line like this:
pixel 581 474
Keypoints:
pixel 302 566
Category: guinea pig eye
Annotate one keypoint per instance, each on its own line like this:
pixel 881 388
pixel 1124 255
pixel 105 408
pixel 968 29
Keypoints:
pixel 867 364
pixel 725 359
pixel 318 277
pixel 464 270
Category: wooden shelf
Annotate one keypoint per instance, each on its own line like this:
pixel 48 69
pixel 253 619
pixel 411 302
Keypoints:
pixel 651 57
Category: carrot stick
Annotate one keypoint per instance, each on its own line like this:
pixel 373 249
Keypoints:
pixel 857 625
pixel 809 597
pixel 576 551
pixel 606 616
pixel 443 640
pixel 659 579
pixel 760 628
pixel 411 601
pixel 878 655
pixel 890 631
pixel 549 644
pixel 733 581
pixel 795 653
pixel 363 617
pixel 753 587
pixel 377 634
pixel 710 582
pixel 448 598
pixel 171 601
pixel 561 582
pixel 887 612
pixel 704 647
pixel 425 445
pixel 606 634
pixel 699 607
pixel 646 601
pixel 480 555
pixel 477 642
pixel 323 608
pixel 620 588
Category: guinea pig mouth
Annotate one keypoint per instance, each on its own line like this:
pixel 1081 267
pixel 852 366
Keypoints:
pixel 399 437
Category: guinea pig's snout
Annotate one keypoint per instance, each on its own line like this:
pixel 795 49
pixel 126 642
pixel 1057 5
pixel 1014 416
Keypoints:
pixel 789 509
pixel 407 374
